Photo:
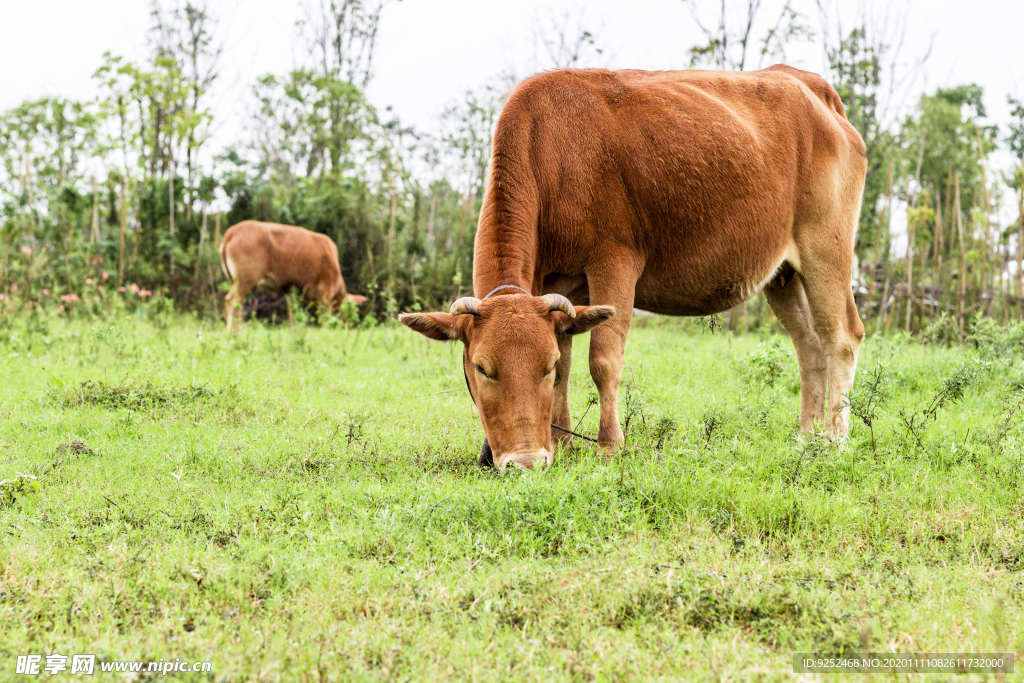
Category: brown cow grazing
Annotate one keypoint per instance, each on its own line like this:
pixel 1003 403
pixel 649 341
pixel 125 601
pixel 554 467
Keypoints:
pixel 279 257
pixel 678 192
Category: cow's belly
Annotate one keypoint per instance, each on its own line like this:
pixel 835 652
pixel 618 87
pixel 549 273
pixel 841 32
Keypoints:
pixel 693 284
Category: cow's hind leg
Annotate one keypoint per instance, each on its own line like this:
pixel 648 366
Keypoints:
pixel 825 248
pixel 841 331
pixel 240 289
pixel 231 304
pixel 788 300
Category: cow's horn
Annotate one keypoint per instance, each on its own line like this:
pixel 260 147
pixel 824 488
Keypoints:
pixel 557 302
pixel 467 304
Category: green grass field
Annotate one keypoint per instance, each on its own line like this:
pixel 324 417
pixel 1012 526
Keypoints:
pixel 301 503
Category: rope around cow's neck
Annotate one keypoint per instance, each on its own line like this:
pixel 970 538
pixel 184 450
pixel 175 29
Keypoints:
pixel 470 389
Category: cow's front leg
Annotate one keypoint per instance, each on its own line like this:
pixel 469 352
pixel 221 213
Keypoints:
pixel 560 408
pixel 613 283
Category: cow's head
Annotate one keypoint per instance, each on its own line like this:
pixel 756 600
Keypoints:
pixel 510 350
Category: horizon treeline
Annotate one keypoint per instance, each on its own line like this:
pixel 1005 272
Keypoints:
pixel 118 191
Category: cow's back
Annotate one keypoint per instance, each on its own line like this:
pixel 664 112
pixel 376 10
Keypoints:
pixel 706 174
pixel 281 256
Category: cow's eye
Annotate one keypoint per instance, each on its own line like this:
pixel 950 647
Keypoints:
pixel 482 371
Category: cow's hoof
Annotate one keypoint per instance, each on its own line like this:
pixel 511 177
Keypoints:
pixel 486 456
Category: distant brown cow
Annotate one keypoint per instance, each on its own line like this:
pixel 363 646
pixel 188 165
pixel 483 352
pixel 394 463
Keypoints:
pixel 678 192
pixel 279 257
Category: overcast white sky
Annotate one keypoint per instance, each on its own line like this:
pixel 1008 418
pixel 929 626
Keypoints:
pixel 430 51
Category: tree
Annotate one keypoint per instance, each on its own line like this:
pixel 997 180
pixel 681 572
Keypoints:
pixel 730 40
pixel 867 67
pixel 565 40
pixel 1015 141
pixel 949 121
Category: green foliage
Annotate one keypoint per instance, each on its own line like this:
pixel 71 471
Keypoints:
pixel 709 322
pixel 942 330
pixel 318 156
pixel 870 395
pixel 999 345
pixel 765 365
pixel 15 490
pixel 950 123
pixel 949 393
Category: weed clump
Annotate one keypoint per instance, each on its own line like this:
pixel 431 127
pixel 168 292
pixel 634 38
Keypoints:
pixel 765 365
pixel 130 395
pixel 949 394
pixel 779 616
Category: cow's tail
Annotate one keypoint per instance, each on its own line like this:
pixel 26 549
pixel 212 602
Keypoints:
pixel 225 262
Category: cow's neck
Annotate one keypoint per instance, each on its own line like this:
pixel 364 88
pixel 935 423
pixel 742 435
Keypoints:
pixel 505 252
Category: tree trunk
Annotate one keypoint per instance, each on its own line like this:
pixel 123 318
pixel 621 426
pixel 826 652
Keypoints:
pixel 430 225
pixel 28 185
pixel 124 223
pixel 170 185
pixel 94 232
pixel 202 241
pixel 392 185
pixel 137 235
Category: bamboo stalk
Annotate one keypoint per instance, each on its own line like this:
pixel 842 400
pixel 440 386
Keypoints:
pixel 211 269
pixel 882 306
pixel 910 270
pixel 940 238
pixel 921 310
pixel 1020 248
pixel 883 214
pixel 987 269
pixel 962 275
pixel 883 235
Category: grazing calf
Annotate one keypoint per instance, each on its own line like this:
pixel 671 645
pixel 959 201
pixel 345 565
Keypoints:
pixel 277 258
pixel 677 192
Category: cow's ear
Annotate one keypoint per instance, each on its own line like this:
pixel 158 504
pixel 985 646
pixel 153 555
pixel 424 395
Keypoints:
pixel 439 326
pixel 587 317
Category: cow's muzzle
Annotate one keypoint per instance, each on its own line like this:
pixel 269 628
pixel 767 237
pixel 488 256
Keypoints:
pixel 525 459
